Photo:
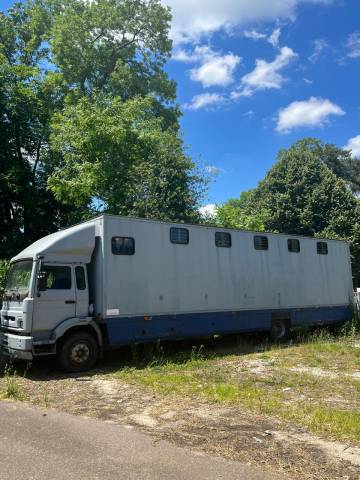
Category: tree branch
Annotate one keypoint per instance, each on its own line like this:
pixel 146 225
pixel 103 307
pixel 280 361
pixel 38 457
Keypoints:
pixel 129 42
pixel 98 36
pixel 18 143
pixel 37 159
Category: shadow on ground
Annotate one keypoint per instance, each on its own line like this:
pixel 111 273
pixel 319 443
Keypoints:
pixel 139 356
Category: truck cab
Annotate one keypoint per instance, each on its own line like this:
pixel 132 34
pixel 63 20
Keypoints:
pixel 46 306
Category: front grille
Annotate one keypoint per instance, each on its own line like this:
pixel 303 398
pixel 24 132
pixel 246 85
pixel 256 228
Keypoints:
pixel 3 340
pixel 15 331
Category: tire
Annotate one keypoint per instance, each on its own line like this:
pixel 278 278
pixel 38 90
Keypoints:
pixel 78 353
pixel 280 330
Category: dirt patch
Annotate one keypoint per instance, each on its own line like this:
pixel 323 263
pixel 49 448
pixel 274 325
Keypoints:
pixel 332 449
pixel 319 372
pixel 204 426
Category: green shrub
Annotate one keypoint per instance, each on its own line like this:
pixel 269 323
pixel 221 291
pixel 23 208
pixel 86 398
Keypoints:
pixel 11 388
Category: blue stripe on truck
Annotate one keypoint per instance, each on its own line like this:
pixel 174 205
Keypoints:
pixel 124 330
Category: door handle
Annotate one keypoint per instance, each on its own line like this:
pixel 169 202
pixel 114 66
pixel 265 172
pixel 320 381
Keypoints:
pixel 69 301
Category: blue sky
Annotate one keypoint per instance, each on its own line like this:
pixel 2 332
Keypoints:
pixel 256 75
pixel 272 72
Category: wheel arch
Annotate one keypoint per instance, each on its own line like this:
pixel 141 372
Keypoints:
pixel 284 319
pixel 76 325
pixel 281 315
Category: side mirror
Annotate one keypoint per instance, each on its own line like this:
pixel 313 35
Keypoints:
pixel 41 282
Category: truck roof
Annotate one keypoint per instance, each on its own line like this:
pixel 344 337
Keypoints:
pixel 79 246
pixel 60 246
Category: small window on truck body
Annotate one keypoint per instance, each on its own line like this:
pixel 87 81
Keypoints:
pixel 123 246
pixel 80 278
pixel 223 239
pixel 57 277
pixel 322 248
pixel 261 242
pixel 293 245
pixel 179 235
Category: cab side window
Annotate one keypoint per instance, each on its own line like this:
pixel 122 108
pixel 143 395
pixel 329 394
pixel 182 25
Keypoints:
pixel 57 278
pixel 80 278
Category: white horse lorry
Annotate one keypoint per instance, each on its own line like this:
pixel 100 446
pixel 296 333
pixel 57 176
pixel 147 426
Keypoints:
pixel 114 281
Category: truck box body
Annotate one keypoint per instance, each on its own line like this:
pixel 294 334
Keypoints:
pixel 150 279
pixel 198 288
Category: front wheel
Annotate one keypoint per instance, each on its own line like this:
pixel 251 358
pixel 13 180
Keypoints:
pixel 78 352
pixel 280 330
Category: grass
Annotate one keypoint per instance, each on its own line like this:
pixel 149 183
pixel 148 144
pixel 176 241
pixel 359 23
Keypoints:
pixel 340 423
pixel 275 382
pixel 11 388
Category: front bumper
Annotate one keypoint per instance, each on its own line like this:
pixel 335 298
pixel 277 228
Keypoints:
pixel 16 346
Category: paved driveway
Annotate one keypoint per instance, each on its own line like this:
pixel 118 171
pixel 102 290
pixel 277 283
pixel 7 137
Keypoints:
pixel 43 444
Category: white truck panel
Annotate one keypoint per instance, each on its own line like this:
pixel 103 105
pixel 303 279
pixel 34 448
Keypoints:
pixel 162 277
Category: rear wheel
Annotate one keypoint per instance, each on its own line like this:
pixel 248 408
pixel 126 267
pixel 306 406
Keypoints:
pixel 78 352
pixel 280 330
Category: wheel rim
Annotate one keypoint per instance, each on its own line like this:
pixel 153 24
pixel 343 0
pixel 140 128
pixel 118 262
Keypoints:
pixel 80 353
pixel 279 329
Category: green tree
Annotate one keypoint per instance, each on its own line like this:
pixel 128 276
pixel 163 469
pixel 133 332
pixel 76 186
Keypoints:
pixel 117 47
pixel 337 159
pixel 301 195
pixel 27 209
pixel 118 156
pixel 115 144
pixel 4 267
pixel 64 60
pixel 240 213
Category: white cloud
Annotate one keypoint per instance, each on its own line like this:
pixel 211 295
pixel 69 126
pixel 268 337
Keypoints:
pixel 274 37
pixel 205 100
pixel 353 144
pixel 266 75
pixel 200 53
pixel 353 44
pixel 216 70
pixel 254 35
pixel 320 44
pixel 308 81
pixel 213 170
pixel 314 112
pixel 208 210
pixel 195 19
pixel 249 114
pixel 181 55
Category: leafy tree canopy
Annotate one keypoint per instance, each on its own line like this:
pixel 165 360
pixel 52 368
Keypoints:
pixel 119 155
pixel 301 195
pixel 337 159
pixel 27 209
pixel 240 213
pixel 88 117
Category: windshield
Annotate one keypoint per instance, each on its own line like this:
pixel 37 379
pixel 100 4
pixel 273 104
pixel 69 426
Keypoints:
pixel 18 277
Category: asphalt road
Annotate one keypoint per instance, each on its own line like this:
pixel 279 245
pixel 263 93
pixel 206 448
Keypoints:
pixel 43 444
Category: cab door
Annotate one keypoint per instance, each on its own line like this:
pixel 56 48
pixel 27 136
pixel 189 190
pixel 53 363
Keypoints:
pixel 56 301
